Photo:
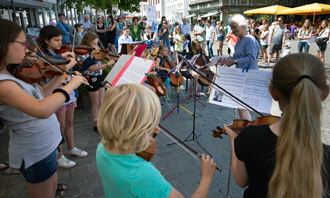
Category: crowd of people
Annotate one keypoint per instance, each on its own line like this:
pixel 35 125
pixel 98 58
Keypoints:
pixel 270 160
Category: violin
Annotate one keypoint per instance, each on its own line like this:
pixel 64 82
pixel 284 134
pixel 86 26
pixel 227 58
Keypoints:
pixel 176 78
pixel 79 49
pixel 201 61
pixel 152 149
pixel 40 70
pixel 105 54
pixel 158 84
pixel 239 124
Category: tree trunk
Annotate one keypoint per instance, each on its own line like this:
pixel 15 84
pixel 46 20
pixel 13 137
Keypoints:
pixel 58 6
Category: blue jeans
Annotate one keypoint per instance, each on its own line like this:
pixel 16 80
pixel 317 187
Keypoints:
pixel 167 43
pixel 209 45
pixel 302 45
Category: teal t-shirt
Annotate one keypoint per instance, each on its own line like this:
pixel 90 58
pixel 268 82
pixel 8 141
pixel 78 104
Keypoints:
pixel 125 176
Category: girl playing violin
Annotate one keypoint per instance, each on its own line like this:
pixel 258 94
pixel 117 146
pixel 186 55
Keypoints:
pixel 287 159
pixel 50 40
pixel 163 72
pixel 122 172
pixel 35 131
pixel 94 71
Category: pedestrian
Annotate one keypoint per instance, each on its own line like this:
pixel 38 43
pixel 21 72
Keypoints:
pixel 111 26
pixel 276 40
pixel 199 32
pixel 79 29
pixel 209 37
pixel 51 22
pixel 246 52
pixel 31 116
pixel 163 34
pixel 120 24
pixel 94 71
pixel 304 34
pixel 64 27
pixel 88 26
pixel 322 33
pixel 136 30
pixel 185 28
pixel 220 33
pixel 178 39
pixel 123 173
pixel 231 39
pixel 264 42
pixel 101 30
pixel 277 160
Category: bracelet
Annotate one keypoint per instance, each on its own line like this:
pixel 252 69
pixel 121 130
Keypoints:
pixel 67 96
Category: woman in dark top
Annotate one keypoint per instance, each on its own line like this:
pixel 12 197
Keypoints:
pixel 101 32
pixel 111 26
pixel 287 159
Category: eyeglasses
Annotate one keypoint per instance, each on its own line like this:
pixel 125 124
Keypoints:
pixel 26 46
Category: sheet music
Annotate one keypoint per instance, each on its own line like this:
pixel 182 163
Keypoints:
pixel 117 67
pixel 135 73
pixel 251 87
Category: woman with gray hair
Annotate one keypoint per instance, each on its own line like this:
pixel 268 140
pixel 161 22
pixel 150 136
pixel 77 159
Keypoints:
pixel 246 51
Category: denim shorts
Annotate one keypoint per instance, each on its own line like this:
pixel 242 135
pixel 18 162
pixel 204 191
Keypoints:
pixel 221 38
pixel 42 170
pixel 264 46
pixel 167 43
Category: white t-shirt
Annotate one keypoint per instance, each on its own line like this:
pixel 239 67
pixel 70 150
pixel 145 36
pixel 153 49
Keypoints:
pixel 209 33
pixel 304 34
pixel 123 39
pixel 265 40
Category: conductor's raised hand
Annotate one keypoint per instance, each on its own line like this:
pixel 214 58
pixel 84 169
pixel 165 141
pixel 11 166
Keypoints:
pixel 208 166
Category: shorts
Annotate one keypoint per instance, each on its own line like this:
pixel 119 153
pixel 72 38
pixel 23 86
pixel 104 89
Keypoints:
pixel 264 46
pixel 167 43
pixel 42 170
pixel 274 48
pixel 221 38
pixel 95 82
pixel 67 106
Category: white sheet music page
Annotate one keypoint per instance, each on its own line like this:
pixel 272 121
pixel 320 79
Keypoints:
pixel 135 73
pixel 251 87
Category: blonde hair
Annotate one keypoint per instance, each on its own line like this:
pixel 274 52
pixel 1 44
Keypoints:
pixel 308 29
pixel 127 117
pixel 299 149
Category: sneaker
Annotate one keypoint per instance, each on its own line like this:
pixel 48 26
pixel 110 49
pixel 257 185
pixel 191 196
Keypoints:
pixel 64 162
pixel 267 65
pixel 197 95
pixel 77 152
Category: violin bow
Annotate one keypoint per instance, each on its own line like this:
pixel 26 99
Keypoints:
pixel 178 141
pixel 104 49
pixel 74 37
pixel 238 101
pixel 40 50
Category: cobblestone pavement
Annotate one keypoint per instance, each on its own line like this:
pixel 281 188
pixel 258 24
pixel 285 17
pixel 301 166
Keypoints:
pixel 178 167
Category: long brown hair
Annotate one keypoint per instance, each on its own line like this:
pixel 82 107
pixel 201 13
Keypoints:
pixel 299 147
pixel 47 33
pixel 320 29
pixel 88 39
pixel 194 51
pixel 9 31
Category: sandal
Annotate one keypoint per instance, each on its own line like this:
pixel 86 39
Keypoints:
pixel 12 170
pixel 3 166
pixel 60 194
pixel 61 187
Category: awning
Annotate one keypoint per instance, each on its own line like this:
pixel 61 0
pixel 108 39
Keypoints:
pixel 189 16
pixel 209 14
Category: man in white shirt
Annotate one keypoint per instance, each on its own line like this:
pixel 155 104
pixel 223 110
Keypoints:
pixel 210 33
pixel 185 28
pixel 125 38
pixel 88 26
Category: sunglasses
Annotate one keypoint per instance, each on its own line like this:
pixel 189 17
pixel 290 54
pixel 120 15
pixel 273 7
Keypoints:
pixel 26 46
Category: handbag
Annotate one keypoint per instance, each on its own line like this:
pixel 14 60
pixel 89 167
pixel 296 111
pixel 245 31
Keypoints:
pixel 321 41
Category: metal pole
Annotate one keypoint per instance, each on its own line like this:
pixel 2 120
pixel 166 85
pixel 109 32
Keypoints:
pixel 43 16
pixel 14 11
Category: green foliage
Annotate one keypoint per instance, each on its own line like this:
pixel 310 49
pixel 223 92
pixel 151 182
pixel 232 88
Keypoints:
pixel 127 5
pixel 265 17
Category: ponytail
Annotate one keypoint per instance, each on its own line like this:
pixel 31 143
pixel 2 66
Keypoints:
pixel 299 149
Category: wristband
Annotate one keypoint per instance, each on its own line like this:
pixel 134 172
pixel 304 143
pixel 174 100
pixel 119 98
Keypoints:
pixel 67 96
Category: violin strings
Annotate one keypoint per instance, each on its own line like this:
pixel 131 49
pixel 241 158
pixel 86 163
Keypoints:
pixel 42 52
pixel 178 143
pixel 104 49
